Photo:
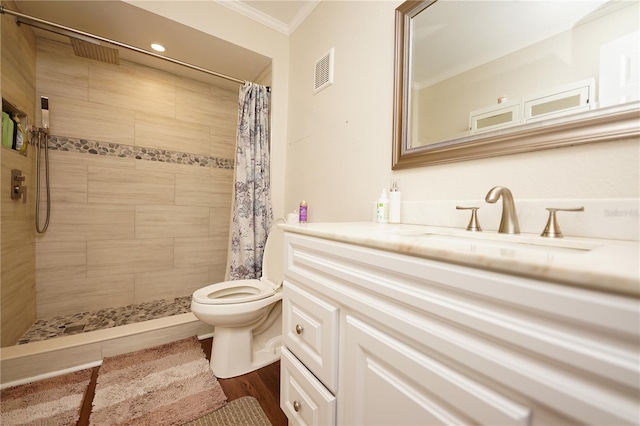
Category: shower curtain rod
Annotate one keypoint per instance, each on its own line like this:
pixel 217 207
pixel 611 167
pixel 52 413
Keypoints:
pixel 32 21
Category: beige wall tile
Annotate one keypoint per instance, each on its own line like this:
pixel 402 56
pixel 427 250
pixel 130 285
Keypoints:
pixel 205 251
pixel 109 185
pixel 162 77
pixel 13 160
pixel 60 260
pixel 119 85
pixel 89 120
pixel 171 221
pixel 220 219
pixel 17 293
pixel 170 134
pixel 169 284
pixel 116 257
pixel 212 191
pixel 17 246
pixel 84 294
pixel 206 108
pixel 217 272
pixel 60 72
pixel 222 139
pixel 87 222
pixel 68 182
pixel 77 158
pixel 18 64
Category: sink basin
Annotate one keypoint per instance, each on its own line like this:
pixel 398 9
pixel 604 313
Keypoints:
pixel 496 239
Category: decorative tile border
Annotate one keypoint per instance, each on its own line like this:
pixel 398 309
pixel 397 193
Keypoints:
pixel 63 143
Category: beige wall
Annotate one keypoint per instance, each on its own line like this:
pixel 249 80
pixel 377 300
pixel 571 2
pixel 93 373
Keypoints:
pixel 128 230
pixel 17 261
pixel 339 140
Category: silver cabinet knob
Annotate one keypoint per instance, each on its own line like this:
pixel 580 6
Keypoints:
pixel 299 329
pixel 296 406
pixel 552 230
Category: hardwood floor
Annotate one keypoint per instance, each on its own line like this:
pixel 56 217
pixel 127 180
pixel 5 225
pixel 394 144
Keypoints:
pixel 263 385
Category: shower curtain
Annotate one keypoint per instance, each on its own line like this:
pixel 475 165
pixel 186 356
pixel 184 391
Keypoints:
pixel 252 212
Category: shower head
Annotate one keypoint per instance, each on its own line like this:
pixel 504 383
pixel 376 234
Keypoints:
pixel 94 51
pixel 84 44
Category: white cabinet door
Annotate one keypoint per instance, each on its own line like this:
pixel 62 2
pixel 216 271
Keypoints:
pixel 387 382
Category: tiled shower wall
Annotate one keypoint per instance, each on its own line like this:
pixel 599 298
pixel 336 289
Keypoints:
pixel 148 220
pixel 17 261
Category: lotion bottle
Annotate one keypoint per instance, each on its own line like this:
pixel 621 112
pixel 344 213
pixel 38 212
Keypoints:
pixel 382 210
pixel 21 135
pixel 303 212
pixel 394 202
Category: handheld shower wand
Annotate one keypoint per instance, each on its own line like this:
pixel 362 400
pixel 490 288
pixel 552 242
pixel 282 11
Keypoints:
pixel 44 104
pixel 43 143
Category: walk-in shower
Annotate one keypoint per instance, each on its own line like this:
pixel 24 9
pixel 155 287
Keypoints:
pixel 101 210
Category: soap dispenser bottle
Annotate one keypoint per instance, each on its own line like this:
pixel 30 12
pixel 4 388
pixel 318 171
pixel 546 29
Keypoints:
pixel 382 208
pixel 394 202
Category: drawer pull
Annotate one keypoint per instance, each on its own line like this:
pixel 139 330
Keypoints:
pixel 296 406
pixel 299 329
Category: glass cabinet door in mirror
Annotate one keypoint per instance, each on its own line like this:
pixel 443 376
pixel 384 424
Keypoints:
pixel 470 71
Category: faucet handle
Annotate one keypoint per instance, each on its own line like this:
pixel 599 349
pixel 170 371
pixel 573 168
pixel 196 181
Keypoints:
pixel 474 225
pixel 552 230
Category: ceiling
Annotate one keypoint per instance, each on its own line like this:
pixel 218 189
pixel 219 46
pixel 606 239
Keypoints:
pixel 128 24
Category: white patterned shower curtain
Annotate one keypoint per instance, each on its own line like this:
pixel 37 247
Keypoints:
pixel 252 213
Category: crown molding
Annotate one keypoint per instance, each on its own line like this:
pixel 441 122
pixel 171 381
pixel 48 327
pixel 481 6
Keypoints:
pixel 263 18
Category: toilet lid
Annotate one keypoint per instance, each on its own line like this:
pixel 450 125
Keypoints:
pixel 272 258
pixel 239 291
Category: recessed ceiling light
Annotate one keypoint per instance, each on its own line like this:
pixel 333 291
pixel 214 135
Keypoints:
pixel 157 47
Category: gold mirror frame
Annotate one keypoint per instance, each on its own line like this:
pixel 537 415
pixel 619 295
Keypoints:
pixel 599 125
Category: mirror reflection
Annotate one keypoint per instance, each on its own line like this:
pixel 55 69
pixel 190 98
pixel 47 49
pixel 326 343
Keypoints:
pixel 481 66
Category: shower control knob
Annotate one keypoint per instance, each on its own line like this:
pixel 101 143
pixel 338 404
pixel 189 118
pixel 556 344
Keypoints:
pixel 299 330
pixel 296 406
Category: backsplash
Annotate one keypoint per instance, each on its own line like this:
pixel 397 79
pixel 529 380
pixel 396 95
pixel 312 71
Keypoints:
pixel 617 219
pixel 111 149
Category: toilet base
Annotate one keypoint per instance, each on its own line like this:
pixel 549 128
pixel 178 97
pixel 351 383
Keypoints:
pixel 246 355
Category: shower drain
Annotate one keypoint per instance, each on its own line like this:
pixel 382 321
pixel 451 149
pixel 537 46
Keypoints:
pixel 74 328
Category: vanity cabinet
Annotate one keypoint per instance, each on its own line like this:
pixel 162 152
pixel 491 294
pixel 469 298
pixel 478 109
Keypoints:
pixel 375 337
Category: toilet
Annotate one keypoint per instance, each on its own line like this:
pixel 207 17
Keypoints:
pixel 246 315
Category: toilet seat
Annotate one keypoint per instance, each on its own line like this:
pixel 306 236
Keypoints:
pixel 242 291
pixel 239 291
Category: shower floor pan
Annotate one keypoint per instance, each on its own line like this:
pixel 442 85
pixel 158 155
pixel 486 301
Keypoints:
pixel 129 329
pixel 82 322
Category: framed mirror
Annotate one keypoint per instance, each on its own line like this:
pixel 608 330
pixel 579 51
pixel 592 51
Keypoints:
pixel 478 79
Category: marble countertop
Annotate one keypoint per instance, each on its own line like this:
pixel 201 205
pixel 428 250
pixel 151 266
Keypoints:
pixel 609 265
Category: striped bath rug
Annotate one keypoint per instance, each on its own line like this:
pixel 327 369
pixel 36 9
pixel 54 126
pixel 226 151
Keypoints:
pixel 170 384
pixel 53 401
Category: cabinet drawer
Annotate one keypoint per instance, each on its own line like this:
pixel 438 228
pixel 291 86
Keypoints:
pixel 310 331
pixel 304 400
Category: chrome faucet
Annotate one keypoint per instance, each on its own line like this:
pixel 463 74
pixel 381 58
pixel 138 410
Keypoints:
pixel 509 221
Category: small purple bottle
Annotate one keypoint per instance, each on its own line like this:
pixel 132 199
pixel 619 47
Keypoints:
pixel 303 212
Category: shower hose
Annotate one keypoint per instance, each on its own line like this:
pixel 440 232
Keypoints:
pixel 42 143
